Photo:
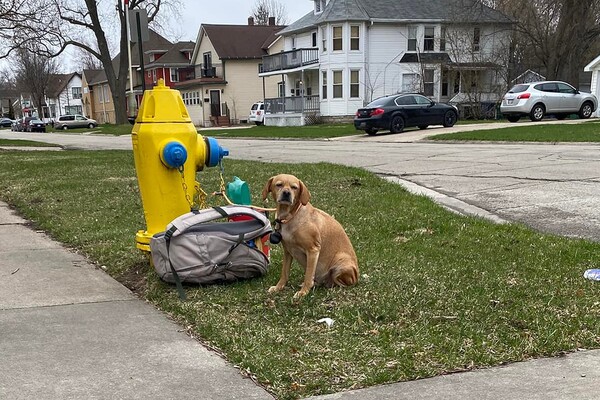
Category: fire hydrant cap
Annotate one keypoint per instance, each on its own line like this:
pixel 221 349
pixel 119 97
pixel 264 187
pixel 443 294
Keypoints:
pixel 162 105
pixel 174 154
pixel 215 152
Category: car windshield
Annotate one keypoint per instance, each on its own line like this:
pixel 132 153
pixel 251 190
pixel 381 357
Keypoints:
pixel 518 89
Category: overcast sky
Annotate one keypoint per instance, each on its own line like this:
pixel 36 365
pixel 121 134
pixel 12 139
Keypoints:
pixel 232 12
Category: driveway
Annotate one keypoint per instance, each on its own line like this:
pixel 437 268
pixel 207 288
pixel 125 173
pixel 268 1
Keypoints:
pixel 550 187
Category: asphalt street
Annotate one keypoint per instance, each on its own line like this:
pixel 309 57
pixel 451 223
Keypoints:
pixel 552 187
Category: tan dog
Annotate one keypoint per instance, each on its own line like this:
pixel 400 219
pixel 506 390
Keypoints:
pixel 310 236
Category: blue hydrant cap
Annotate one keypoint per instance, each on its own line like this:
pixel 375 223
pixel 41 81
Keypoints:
pixel 174 154
pixel 215 152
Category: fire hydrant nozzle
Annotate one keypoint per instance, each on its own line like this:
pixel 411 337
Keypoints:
pixel 173 154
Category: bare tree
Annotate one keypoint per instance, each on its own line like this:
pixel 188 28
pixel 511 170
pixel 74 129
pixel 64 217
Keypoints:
pixel 557 36
pixel 92 25
pixel 263 9
pixel 32 74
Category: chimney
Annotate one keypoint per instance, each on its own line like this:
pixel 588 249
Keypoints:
pixel 250 21
pixel 271 21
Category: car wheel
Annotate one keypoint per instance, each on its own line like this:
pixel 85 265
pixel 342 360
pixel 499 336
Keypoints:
pixel 258 123
pixel 371 131
pixel 513 118
pixel 91 126
pixel 449 119
pixel 397 124
pixel 423 127
pixel 586 110
pixel 537 112
pixel 65 127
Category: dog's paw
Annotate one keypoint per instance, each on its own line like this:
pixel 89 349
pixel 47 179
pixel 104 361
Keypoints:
pixel 274 289
pixel 299 295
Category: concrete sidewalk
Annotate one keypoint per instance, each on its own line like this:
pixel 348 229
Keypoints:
pixel 69 331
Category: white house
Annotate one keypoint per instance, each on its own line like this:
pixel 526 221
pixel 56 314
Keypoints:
pixel 594 68
pixel 346 53
pixel 64 95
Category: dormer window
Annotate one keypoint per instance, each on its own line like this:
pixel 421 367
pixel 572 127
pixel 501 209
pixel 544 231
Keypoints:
pixel 320 6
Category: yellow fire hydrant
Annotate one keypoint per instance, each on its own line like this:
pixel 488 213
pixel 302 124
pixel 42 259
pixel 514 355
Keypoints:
pixel 168 152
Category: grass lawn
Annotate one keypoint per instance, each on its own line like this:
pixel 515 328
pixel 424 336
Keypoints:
pixel 438 292
pixel 300 132
pixel 531 132
pixel 25 143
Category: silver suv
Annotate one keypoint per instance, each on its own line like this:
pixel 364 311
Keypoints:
pixel 538 99
pixel 74 121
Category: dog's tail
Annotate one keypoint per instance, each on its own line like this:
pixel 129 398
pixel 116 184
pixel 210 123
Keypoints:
pixel 344 273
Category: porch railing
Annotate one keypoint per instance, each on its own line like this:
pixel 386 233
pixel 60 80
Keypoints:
pixel 295 104
pixel 290 59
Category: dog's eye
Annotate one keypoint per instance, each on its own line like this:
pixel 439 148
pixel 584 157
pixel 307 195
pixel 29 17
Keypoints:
pixel 278 184
pixel 294 187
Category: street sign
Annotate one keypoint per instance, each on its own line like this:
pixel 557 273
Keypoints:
pixel 138 25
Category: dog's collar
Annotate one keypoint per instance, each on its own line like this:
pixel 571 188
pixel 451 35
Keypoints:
pixel 291 215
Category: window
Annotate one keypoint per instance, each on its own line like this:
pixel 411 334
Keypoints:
pixel 337 38
pixel 260 68
pixel 443 39
pixel 324 38
pixel 207 60
pixel 314 39
pixel 281 89
pixel 410 82
pixel 191 98
pixel 293 41
pixel 429 39
pixel 355 37
pixel 338 88
pixel 324 85
pixel 412 38
pixel 153 75
pixel 76 90
pixel 354 84
pixel 174 75
pixel 318 8
pixel 428 78
pixel 73 110
pixel 476 38
pixel 106 90
pixel 444 83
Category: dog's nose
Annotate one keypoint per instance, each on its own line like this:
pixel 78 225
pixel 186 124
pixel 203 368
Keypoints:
pixel 286 195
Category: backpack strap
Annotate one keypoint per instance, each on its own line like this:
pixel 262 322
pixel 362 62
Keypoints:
pixel 168 235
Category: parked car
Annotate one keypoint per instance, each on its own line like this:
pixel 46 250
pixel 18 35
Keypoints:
pixel 538 99
pixel 398 111
pixel 20 125
pixel 36 125
pixel 74 121
pixel 6 122
pixel 257 113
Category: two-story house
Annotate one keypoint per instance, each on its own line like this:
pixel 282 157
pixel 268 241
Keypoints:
pixel 346 53
pixel 64 95
pixel 227 60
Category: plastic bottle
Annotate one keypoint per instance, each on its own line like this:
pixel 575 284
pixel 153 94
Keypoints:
pixel 592 274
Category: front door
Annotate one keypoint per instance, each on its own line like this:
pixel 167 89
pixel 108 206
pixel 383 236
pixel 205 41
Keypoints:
pixel 215 103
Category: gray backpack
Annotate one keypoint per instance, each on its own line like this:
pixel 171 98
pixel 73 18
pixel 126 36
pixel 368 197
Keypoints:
pixel 195 249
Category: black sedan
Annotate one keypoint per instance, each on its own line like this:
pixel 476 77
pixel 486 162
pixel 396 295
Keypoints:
pixel 6 122
pixel 402 110
pixel 36 125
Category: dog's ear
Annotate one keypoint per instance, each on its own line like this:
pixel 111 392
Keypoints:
pixel 267 188
pixel 304 194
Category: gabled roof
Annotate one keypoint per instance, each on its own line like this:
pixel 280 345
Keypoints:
pixel 94 76
pixel 58 82
pixel 174 56
pixel 406 11
pixel 241 41
pixel 155 43
pixel 592 65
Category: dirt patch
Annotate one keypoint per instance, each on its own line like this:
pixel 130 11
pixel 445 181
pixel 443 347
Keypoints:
pixel 135 279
